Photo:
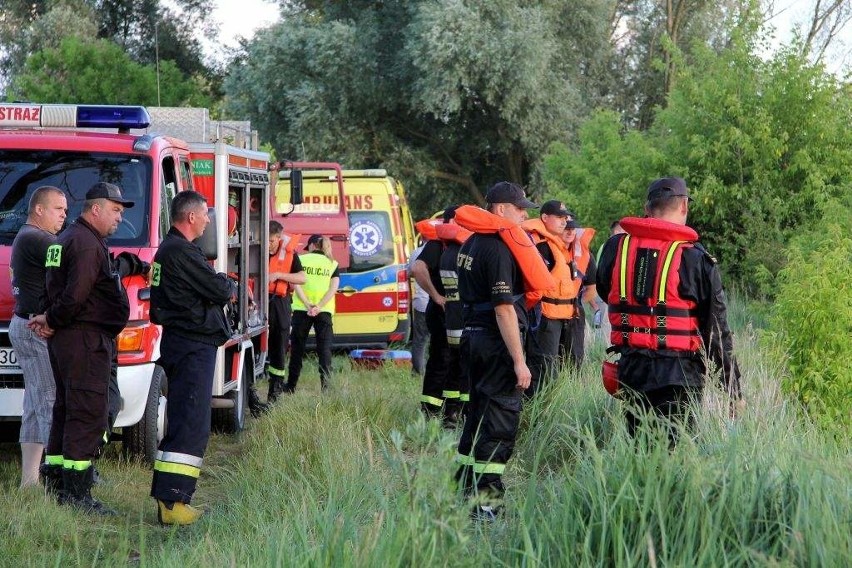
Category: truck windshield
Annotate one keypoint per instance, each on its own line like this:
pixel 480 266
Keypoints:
pixel 23 171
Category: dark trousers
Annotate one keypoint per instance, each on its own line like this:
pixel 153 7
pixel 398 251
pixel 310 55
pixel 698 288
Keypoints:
pixel 542 350
pixel 280 314
pixel 489 434
pixel 189 366
pixel 572 345
pixel 324 334
pixel 81 361
pixel 435 377
pixel 673 408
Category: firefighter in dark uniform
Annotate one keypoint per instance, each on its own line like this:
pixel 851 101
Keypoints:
pixel 426 272
pixel 491 288
pixel 187 299
pixel 667 309
pixel 87 309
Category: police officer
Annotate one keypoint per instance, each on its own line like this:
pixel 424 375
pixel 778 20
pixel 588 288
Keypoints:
pixel 313 306
pixel 491 288
pixel 667 309
pixel 87 308
pixel 187 299
pixel 46 214
pixel 285 270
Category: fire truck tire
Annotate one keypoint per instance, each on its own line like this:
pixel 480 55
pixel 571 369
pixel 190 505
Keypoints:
pixel 141 440
pixel 233 420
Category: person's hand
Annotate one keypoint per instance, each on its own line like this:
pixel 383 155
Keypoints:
pixel 39 325
pixel 598 318
pixel 737 408
pixel 440 300
pixel 313 311
pixel 522 372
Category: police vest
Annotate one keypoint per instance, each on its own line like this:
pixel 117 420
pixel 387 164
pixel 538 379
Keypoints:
pixel 536 276
pixel 318 270
pixel 453 236
pixel 645 307
pixel 282 261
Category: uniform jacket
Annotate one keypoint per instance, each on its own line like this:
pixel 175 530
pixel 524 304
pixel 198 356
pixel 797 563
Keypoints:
pixel 187 295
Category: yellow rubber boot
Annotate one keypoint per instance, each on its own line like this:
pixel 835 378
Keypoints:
pixel 177 513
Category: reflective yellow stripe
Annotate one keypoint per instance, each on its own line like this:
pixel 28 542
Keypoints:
pixel 465 460
pixel 54 460
pixel 177 468
pixel 77 465
pixel 489 467
pixel 106 436
pixel 667 265
pixel 277 372
pixel 431 400
pixel 453 340
pixel 622 280
pixel 464 397
pixel 451 394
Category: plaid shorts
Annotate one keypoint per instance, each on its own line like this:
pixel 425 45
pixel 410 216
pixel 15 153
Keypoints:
pixel 39 385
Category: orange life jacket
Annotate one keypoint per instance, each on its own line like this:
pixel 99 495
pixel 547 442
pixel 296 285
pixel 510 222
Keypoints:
pixel 427 228
pixel 282 261
pixel 537 278
pixel 661 318
pixel 452 232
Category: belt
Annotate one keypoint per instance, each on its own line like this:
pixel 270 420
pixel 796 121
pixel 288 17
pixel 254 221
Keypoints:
pixel 25 316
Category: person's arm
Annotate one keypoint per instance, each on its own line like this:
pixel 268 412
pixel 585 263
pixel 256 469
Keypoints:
pixel 214 287
pixel 329 294
pixel 295 276
pixel 79 283
pixel 507 323
pixel 297 289
pixel 603 276
pixel 421 275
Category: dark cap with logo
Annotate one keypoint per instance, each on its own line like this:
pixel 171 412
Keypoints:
pixel 554 207
pixel 104 190
pixel 508 192
pixel 667 187
pixel 312 240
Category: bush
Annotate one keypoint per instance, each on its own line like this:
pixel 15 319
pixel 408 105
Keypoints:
pixel 812 318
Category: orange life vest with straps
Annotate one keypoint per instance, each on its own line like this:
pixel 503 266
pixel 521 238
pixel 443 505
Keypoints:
pixel 645 307
pixel 537 278
pixel 282 261
pixel 427 228
pixel 551 306
pixel 452 232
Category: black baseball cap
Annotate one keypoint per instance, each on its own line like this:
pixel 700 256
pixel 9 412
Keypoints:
pixel 450 213
pixel 104 190
pixel 668 187
pixel 554 207
pixel 508 192
pixel 312 240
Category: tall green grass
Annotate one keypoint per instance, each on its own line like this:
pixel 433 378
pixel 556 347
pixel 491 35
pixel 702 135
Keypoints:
pixel 357 477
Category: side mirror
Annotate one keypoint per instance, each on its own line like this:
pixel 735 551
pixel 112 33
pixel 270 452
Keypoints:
pixel 296 187
pixel 207 240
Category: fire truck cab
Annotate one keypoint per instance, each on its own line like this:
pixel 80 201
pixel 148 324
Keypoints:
pixel 74 146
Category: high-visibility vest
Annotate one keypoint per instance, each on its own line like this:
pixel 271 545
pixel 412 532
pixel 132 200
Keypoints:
pixel 318 270
pixel 645 307
pixel 282 261
pixel 536 276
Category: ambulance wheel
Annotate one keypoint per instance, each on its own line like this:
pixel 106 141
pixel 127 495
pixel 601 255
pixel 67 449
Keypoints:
pixel 233 420
pixel 142 439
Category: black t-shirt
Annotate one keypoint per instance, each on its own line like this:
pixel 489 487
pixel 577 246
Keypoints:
pixel 29 250
pixel 488 276
pixel 547 254
pixel 296 266
pixel 431 256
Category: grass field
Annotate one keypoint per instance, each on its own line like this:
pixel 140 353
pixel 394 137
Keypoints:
pixel 356 477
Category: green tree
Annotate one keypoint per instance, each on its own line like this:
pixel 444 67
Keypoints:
pixel 100 72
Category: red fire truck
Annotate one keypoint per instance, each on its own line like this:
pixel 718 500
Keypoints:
pixel 74 146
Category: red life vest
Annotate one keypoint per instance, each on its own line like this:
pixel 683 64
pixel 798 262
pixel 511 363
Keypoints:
pixel 537 278
pixel 427 230
pixel 282 261
pixel 452 232
pixel 645 307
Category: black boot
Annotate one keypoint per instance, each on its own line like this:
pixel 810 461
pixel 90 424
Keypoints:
pixel 77 490
pixel 51 477
pixel 256 407
pixel 275 389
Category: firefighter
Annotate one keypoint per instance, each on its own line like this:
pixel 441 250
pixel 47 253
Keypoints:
pixel 285 270
pixel 667 309
pixel 187 299
pixel 313 306
pixel 427 274
pixel 582 269
pixel 456 389
pixel 500 275
pixel 87 309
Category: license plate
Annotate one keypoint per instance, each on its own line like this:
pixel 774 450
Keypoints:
pixel 8 361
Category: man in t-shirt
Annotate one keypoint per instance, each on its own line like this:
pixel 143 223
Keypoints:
pixel 47 210
pixel 491 288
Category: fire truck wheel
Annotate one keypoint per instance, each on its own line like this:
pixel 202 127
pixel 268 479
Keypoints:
pixel 141 440
pixel 233 420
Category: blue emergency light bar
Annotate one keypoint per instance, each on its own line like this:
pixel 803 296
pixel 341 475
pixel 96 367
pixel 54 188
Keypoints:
pixel 73 116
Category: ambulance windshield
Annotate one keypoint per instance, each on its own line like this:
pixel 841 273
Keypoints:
pixel 23 171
